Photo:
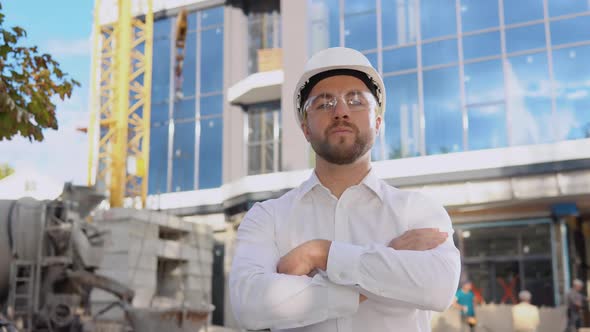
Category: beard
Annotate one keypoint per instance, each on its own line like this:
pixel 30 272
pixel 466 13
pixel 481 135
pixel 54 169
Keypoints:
pixel 341 153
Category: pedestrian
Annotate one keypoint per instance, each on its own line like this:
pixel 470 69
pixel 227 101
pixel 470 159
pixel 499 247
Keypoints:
pixel 525 316
pixel 464 301
pixel 575 301
pixel 344 251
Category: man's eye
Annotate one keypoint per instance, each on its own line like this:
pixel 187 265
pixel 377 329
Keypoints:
pixel 326 104
pixel 355 101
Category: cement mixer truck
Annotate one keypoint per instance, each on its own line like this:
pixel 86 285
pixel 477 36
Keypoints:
pixel 48 255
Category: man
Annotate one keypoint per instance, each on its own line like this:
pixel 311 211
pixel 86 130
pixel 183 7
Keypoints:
pixel 575 304
pixel 525 316
pixel 344 251
pixel 464 301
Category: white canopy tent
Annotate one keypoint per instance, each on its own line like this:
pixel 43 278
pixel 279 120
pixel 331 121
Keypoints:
pixel 29 183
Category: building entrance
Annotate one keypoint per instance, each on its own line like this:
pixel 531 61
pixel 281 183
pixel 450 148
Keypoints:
pixel 503 258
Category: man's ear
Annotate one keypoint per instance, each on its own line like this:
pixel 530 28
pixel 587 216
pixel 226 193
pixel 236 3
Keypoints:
pixel 378 122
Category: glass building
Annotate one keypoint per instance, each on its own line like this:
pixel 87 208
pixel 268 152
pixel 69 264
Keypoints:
pixel 187 120
pixel 488 112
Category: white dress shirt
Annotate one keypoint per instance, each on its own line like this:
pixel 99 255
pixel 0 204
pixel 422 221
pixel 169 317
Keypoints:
pixel 402 286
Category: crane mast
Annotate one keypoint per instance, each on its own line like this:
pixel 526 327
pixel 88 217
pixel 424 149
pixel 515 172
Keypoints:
pixel 119 130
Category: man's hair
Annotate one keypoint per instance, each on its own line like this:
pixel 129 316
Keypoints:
pixel 466 282
pixel 578 282
pixel 525 295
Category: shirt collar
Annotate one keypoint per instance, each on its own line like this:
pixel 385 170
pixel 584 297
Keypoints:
pixel 371 181
pixel 309 184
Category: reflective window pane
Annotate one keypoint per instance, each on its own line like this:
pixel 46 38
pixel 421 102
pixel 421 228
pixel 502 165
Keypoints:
pixel 212 60
pixel 263 121
pixel 211 105
pixel 564 7
pixel 191 21
pixel 399 59
pixel 442 111
pixel 263 27
pixel 529 99
pixel 260 125
pixel 481 45
pixel 161 70
pixel 437 18
pixel 572 87
pixel 324 25
pixel 571 30
pixel 484 82
pixel 210 153
pixel 254 160
pixel 261 158
pixel 212 16
pixel 184 109
pixel 158 159
pixel 162 28
pixel 358 6
pixel 402 119
pixel 487 127
pixel 440 52
pixel 183 156
pixel 360 31
pixel 477 15
pixel 159 113
pixel 399 22
pixel 525 38
pixel 534 240
pixel 189 68
pixel 538 279
pixel 522 11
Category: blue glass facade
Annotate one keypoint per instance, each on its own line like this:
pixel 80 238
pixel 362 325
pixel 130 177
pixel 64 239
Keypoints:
pixel 187 128
pixel 467 74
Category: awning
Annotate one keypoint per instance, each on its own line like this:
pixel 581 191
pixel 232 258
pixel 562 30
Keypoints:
pixel 257 88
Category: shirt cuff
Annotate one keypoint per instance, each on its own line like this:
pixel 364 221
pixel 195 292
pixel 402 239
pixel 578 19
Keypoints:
pixel 341 300
pixel 343 263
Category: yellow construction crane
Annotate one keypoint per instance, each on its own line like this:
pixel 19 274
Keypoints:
pixel 180 49
pixel 119 130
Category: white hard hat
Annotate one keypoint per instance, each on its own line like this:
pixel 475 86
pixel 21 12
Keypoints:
pixel 336 58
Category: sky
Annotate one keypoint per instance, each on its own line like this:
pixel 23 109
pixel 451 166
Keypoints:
pixel 63 29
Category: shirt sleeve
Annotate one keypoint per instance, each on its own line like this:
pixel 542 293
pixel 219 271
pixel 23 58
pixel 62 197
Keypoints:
pixel 421 279
pixel 262 298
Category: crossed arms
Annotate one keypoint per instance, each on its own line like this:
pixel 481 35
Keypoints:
pixel 419 269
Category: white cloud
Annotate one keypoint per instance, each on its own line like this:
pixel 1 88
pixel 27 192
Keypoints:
pixel 63 154
pixel 564 121
pixel 578 94
pixel 489 110
pixel 64 47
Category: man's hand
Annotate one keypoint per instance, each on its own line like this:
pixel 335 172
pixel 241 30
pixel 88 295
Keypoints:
pixel 305 258
pixel 419 239
pixel 362 298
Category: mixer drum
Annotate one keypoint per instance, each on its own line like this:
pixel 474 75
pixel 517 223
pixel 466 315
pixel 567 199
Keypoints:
pixel 20 234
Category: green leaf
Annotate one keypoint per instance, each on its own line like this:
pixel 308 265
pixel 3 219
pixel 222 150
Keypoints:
pixel 4 49
pixel 9 37
pixel 20 32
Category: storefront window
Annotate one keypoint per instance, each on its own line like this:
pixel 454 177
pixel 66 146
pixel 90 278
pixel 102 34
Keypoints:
pixel 501 261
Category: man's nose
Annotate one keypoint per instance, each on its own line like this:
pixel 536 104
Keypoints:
pixel 341 110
